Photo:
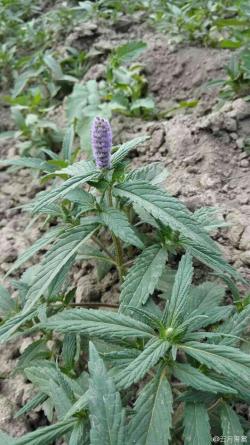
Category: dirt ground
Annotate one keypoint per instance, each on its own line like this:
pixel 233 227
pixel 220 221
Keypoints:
pixel 202 148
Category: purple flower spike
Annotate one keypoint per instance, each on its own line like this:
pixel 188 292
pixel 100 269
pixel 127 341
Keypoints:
pixel 101 138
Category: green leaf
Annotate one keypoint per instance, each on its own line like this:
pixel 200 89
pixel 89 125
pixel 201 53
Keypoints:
pixel 172 212
pixel 153 414
pixel 7 304
pixel 208 218
pixel 180 292
pixel 196 379
pixel 155 173
pixel 143 276
pixel 128 51
pixel 196 425
pixel 167 209
pixel 108 326
pixel 230 422
pixel 61 254
pixel 36 163
pixel 124 149
pixel 236 325
pixel 147 103
pixel 80 434
pixel 211 258
pixel 149 357
pixel 46 435
pixel 13 324
pixel 6 439
pixel 67 144
pixel 48 197
pixel 78 406
pixel 118 223
pixel 32 404
pixel 47 238
pixel 77 169
pixel 225 360
pixel 54 66
pixel 107 417
pixel 69 350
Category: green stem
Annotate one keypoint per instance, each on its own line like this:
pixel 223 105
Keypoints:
pixel 117 245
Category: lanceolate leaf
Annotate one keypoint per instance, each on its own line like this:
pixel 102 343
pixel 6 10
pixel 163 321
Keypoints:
pixel 36 163
pixel 167 209
pixel 196 379
pixel 62 190
pixel 11 326
pixel 118 223
pixel 142 278
pixel 106 325
pixel 180 292
pixel 46 435
pixel 234 326
pixel 154 173
pixel 60 254
pixel 223 359
pixel 107 417
pixel 230 422
pixel 153 414
pixel 7 304
pixel 172 212
pixel 47 238
pixel 196 425
pixel 68 143
pixel 124 149
pixel 137 369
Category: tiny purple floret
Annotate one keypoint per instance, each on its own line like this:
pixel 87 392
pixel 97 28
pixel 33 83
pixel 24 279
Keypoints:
pixel 101 138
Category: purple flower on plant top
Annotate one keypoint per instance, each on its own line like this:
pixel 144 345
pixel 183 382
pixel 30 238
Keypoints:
pixel 101 138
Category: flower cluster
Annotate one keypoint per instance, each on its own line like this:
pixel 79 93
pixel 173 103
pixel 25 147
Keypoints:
pixel 101 138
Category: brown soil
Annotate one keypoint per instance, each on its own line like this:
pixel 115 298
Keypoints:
pixel 204 154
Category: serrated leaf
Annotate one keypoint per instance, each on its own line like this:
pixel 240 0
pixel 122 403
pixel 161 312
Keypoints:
pixel 211 258
pixel 225 360
pixel 47 238
pixel 36 163
pixel 36 350
pixel 172 212
pixel 143 277
pixel 9 328
pixel 124 149
pixel 7 304
pixel 180 292
pixel 149 357
pixel 69 350
pixel 46 435
pixel 119 224
pixel 153 414
pixel 77 169
pixel 67 144
pixel 208 218
pixel 236 325
pixel 108 326
pixel 107 417
pixel 155 173
pixel 230 422
pixel 61 253
pixel 196 379
pixel 32 404
pixel 196 425
pixel 60 192
pixel 80 434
